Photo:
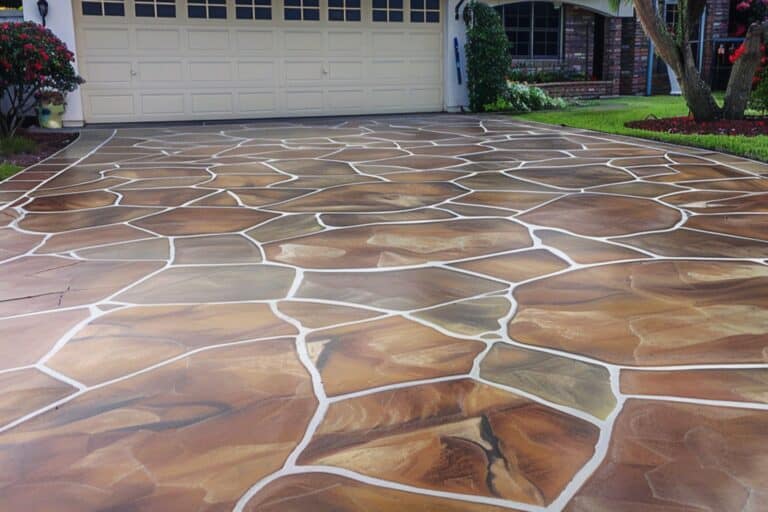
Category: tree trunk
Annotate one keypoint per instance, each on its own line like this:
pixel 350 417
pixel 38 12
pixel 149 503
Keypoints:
pixel 697 94
pixel 740 82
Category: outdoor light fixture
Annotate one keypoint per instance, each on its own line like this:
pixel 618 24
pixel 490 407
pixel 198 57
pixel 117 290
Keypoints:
pixel 42 8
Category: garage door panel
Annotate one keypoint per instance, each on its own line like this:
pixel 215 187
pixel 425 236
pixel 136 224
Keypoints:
pixel 154 105
pixel 207 40
pixel 161 71
pixel 158 39
pixel 212 103
pixel 110 72
pixel 178 68
pixel 210 71
pixel 255 40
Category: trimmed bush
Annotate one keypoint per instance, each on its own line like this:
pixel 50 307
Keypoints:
pixel 32 60
pixel 759 98
pixel 487 52
pixel 519 97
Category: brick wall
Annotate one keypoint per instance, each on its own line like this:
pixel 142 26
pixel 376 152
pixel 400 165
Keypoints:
pixel 715 27
pixel 612 54
pixel 578 39
pixel 593 89
pixel 634 57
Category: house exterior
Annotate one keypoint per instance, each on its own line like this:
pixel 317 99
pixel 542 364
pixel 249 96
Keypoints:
pixel 181 60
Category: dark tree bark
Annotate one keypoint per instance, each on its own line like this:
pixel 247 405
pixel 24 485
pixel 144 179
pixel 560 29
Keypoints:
pixel 675 51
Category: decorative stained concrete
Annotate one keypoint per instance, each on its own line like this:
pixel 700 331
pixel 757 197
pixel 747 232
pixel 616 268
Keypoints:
pixel 433 313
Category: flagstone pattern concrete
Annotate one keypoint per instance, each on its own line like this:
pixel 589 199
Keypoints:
pixel 432 313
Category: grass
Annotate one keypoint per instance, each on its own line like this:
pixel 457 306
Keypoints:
pixel 15 145
pixel 7 170
pixel 609 116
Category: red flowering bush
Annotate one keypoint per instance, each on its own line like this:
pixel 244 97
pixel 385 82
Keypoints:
pixel 32 59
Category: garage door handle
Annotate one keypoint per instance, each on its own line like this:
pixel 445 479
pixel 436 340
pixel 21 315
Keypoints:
pixel 133 73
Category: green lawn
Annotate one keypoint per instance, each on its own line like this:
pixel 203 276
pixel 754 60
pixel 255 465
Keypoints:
pixel 7 170
pixel 609 115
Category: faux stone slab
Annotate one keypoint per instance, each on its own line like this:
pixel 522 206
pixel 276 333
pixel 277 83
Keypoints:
pixel 470 317
pixel 575 177
pixel 152 249
pixel 24 340
pixel 750 226
pixel 321 492
pixel 202 221
pixel 210 250
pixel 680 457
pixel 387 351
pixel 650 313
pixel 561 380
pixel 519 266
pixel 81 201
pixel 373 197
pixel 352 219
pixel 67 221
pixel 14 243
pixel 127 340
pixel 289 226
pixel 457 436
pixel 24 391
pixel 231 283
pixel 586 250
pixel 512 200
pixel 397 289
pixel 746 385
pixel 315 315
pixel 400 245
pixel 689 243
pixel 64 242
pixel 192 435
pixel 46 283
pixel 603 215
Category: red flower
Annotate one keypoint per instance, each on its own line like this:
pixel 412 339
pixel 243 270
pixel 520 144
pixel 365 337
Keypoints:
pixel 743 6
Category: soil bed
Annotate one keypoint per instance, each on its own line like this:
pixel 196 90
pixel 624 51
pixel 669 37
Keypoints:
pixel 47 144
pixel 686 125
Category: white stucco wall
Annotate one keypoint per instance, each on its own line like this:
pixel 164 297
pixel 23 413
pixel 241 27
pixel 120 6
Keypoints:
pixel 61 21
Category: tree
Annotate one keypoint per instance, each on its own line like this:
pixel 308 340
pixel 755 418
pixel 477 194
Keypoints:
pixel 32 59
pixel 673 46
pixel 487 52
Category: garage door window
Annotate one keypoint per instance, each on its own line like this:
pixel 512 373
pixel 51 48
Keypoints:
pixel 253 9
pixel 297 10
pixel 104 8
pixel 388 10
pixel 425 11
pixel 343 10
pixel 155 8
pixel 207 9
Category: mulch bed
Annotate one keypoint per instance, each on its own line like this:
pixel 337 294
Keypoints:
pixel 47 144
pixel 748 127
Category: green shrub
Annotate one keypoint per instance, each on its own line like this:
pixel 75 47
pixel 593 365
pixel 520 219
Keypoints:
pixel 487 52
pixel 15 145
pixel 523 98
pixel 759 99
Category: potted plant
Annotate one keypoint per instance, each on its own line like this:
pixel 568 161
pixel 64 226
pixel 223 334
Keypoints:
pixel 50 108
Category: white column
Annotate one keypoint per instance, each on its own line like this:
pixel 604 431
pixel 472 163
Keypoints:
pixel 455 94
pixel 61 21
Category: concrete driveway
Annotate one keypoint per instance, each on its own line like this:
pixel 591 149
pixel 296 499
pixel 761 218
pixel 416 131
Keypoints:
pixel 432 313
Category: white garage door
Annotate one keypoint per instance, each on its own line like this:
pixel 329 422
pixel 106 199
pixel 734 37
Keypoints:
pixel 157 60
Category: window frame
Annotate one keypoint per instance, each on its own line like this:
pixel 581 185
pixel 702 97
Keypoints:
pixel 388 9
pixel 155 4
pixel 532 30
pixel 255 7
pixel 208 7
pixel 345 11
pixel 429 15
pixel 302 8
pixel 102 8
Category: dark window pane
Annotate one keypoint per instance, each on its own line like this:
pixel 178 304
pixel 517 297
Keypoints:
pixel 396 16
pixel 379 15
pixel 353 15
pixel 311 3
pixel 243 13
pixel 196 11
pixel 433 17
pixel 263 2
pixel 311 14
pixel 293 3
pixel 263 13
pixel 335 3
pixel 417 4
pixel 217 13
pixel 379 4
pixel 354 4
pixel 145 10
pixel 166 11
pixel 243 2
pixel 395 4
pixel 292 14
pixel 114 9
pixel 217 2
pixel 92 8
pixel 433 5
pixel 335 15
pixel 417 17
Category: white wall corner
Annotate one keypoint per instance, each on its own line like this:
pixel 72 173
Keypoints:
pixel 456 96
pixel 61 21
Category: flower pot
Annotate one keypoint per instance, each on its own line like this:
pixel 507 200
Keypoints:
pixel 49 115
